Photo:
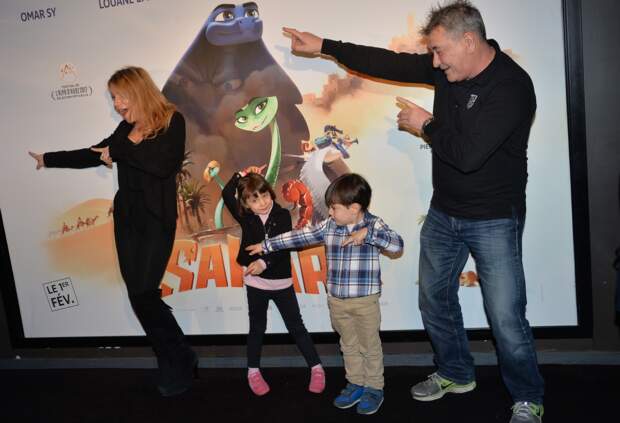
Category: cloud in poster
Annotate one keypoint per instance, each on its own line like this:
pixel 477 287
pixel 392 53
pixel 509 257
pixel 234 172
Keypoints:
pixel 411 42
pixel 335 88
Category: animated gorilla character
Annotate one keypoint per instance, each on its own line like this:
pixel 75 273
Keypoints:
pixel 227 65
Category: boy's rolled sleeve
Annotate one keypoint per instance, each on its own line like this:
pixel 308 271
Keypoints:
pixel 295 239
pixel 381 236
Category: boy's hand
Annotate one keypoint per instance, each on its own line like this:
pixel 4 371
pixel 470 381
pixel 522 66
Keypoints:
pixel 254 249
pixel 255 268
pixel 356 238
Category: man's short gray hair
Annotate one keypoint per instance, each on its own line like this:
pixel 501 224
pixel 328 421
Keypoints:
pixel 456 17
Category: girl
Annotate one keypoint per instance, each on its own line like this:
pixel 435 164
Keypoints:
pixel 148 147
pixel 269 277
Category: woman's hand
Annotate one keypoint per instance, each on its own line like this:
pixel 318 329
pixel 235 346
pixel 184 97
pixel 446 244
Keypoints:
pixel 356 238
pixel 38 158
pixel 254 249
pixel 255 268
pixel 105 155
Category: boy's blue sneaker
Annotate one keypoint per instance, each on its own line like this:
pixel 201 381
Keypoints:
pixel 349 396
pixel 370 401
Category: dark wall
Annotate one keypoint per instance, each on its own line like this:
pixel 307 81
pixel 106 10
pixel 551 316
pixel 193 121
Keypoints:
pixel 6 280
pixel 5 344
pixel 601 55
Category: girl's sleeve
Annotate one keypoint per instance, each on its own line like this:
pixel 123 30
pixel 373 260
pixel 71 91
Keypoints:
pixel 228 194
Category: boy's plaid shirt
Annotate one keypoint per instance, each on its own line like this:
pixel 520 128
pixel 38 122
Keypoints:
pixel 352 271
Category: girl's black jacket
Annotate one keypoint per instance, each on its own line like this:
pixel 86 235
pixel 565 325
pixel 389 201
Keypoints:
pixel 253 231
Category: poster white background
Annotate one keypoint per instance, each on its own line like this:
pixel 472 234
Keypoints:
pixel 96 40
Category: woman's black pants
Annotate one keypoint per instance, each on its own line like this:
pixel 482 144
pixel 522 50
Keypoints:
pixel 144 245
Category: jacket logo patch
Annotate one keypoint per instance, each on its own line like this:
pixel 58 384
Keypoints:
pixel 472 100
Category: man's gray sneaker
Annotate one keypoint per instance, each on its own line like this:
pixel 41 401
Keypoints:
pixel 436 387
pixel 527 412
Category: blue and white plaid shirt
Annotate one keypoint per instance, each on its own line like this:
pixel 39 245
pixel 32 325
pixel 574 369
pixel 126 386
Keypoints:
pixel 352 271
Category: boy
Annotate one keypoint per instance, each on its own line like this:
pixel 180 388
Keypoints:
pixel 353 239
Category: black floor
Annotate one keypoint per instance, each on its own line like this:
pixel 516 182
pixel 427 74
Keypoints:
pixel 574 394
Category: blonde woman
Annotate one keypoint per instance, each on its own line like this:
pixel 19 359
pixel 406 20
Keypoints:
pixel 148 147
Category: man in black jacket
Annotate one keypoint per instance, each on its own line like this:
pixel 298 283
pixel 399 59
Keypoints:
pixel 483 109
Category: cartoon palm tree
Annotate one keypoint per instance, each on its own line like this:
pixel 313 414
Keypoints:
pixel 182 177
pixel 196 199
pixel 184 194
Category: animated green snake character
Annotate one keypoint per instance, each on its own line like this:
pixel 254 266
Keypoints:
pixel 259 113
pixel 254 117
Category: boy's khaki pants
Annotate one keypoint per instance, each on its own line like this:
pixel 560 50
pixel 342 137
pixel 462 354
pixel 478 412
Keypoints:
pixel 357 321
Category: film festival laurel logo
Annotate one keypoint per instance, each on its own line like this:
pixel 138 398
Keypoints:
pixel 70 87
pixel 60 294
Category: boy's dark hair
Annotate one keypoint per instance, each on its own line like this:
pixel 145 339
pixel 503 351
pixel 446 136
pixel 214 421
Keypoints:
pixel 348 189
pixel 248 186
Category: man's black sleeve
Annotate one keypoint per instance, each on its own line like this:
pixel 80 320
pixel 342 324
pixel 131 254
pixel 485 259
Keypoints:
pixel 382 63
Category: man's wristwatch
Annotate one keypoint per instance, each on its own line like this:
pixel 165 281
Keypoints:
pixel 426 122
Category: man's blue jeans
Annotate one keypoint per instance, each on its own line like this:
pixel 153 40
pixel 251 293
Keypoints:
pixel 495 245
